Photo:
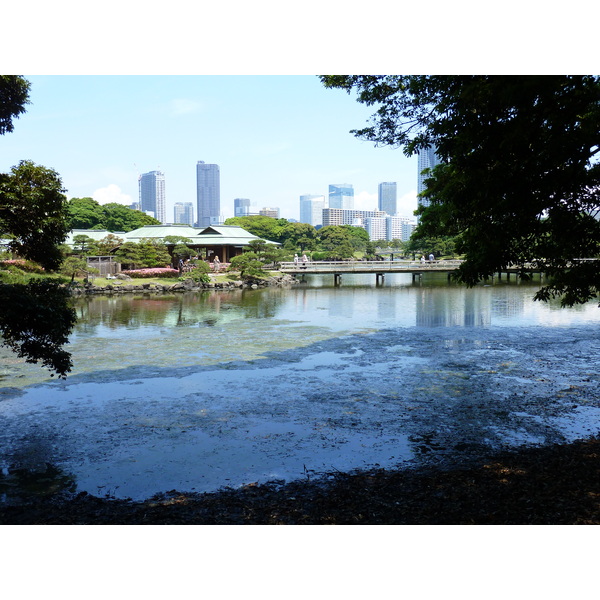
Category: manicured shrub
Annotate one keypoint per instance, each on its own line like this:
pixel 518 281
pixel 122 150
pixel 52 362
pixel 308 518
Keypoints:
pixel 151 273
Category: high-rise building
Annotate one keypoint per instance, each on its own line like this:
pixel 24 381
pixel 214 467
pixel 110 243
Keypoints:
pixel 269 212
pixel 339 216
pixel 427 160
pixel 208 189
pixel 311 209
pixel 375 227
pixel 241 207
pixel 341 196
pixel 388 197
pixel 184 213
pixel 399 228
pixel 152 195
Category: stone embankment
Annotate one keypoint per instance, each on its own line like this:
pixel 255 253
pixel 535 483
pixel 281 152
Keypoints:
pixel 125 285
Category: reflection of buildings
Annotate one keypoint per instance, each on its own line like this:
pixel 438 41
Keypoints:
pixel 506 303
pixel 450 307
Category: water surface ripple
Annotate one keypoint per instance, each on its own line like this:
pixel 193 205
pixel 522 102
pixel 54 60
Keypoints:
pixel 199 392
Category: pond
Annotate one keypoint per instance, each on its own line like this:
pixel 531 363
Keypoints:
pixel 196 392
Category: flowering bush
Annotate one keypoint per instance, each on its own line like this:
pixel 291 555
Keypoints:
pixel 157 272
pixel 24 265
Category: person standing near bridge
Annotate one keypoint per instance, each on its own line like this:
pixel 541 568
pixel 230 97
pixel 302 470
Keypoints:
pixel 304 260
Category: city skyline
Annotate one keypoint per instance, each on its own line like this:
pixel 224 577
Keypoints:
pixel 274 138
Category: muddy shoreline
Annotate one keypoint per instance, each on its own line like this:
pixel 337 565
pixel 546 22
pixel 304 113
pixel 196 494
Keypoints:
pixel 553 485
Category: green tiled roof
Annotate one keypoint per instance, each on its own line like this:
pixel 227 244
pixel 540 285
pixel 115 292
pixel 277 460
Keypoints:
pixel 218 235
pixel 161 231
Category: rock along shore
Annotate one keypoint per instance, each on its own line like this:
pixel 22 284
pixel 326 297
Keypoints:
pixel 187 285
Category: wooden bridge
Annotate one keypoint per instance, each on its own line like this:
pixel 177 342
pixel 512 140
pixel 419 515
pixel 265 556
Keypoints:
pixel 379 267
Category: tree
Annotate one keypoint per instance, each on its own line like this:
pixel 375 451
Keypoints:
pixel 147 253
pixel 32 213
pixel 14 95
pixel 85 245
pixel 337 240
pixel 122 218
pixel 84 213
pixel 519 178
pixel 268 228
pixel 35 318
pixel 108 244
pixel 180 249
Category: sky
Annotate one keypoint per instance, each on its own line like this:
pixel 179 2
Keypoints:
pixel 274 137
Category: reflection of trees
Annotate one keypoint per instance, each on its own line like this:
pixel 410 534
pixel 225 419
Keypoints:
pixel 133 311
pixel 20 483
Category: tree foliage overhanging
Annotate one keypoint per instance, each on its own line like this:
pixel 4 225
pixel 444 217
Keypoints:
pixel 519 176
pixel 35 318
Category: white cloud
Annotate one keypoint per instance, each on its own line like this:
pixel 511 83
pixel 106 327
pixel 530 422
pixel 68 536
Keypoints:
pixel 111 193
pixel 365 201
pixel 407 204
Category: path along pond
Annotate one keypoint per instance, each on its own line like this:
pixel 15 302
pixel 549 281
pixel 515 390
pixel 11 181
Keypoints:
pixel 200 391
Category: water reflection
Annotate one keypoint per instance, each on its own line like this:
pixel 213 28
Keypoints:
pixel 197 391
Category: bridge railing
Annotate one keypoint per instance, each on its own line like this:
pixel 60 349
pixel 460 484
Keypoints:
pixel 356 266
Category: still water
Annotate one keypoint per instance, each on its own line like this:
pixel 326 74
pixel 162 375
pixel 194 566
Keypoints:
pixel 195 392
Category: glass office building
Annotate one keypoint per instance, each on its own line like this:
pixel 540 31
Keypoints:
pixel 152 195
pixel 387 197
pixel 208 190
pixel 341 196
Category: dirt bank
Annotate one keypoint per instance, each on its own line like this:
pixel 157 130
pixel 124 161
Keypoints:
pixel 553 485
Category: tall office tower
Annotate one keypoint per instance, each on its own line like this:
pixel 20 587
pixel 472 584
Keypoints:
pixel 208 189
pixel 184 213
pixel 387 198
pixel 241 207
pixel 341 196
pixel 311 209
pixel 269 212
pixel 152 195
pixel 427 160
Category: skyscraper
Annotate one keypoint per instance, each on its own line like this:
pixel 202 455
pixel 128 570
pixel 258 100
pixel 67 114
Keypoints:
pixel 208 189
pixel 427 160
pixel 241 207
pixel 341 196
pixel 387 197
pixel 184 213
pixel 311 209
pixel 269 212
pixel 152 195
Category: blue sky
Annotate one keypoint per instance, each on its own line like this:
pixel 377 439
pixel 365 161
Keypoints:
pixel 274 138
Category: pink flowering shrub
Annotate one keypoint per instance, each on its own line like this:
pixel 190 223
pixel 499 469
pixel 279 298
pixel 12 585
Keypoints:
pixel 24 265
pixel 155 272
